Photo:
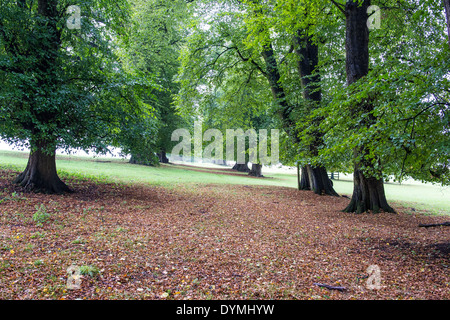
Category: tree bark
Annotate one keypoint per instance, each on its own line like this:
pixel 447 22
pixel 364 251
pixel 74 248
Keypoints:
pixel 313 178
pixel 273 76
pixel 308 52
pixel 256 170
pixel 40 174
pixel 304 179
pixel 356 40
pixel 447 14
pixel 316 179
pixel 368 191
pixel 368 195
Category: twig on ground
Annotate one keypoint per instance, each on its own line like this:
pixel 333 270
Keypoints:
pixel 330 287
pixel 444 224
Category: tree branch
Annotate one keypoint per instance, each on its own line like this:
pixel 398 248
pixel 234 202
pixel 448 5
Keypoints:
pixel 251 61
pixel 340 6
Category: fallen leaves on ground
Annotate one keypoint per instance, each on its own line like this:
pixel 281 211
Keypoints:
pixel 212 242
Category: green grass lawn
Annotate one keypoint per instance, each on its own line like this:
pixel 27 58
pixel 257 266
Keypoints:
pixel 432 198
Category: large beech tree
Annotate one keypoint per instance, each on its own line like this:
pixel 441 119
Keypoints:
pixel 62 83
pixel 392 112
pixel 368 189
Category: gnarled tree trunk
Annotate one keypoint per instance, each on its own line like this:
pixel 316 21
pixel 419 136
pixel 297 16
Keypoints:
pixel 316 179
pixel 40 175
pixel 368 195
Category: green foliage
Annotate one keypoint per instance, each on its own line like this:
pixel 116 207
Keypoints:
pixel 14 197
pixel 67 88
pixel 89 270
pixel 154 50
pixel 41 215
pixel 221 84
pixel 408 88
pixel 137 70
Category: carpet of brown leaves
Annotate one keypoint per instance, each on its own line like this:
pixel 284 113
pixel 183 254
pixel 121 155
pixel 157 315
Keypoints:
pixel 213 242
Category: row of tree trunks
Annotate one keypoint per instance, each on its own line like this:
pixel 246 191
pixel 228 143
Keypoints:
pixel 255 171
pixel 315 179
pixel 312 178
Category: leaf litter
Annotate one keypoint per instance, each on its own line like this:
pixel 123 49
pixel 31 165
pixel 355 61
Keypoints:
pixel 213 242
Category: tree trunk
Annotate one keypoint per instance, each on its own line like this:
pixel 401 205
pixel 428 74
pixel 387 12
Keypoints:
pixel 368 195
pixel 273 76
pixel 357 40
pixel 308 63
pixel 304 180
pixel 241 167
pixel 40 174
pixel 133 160
pixel 256 170
pixel 162 156
pixel 313 178
pixel 447 14
pixel 368 192
pixel 316 179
